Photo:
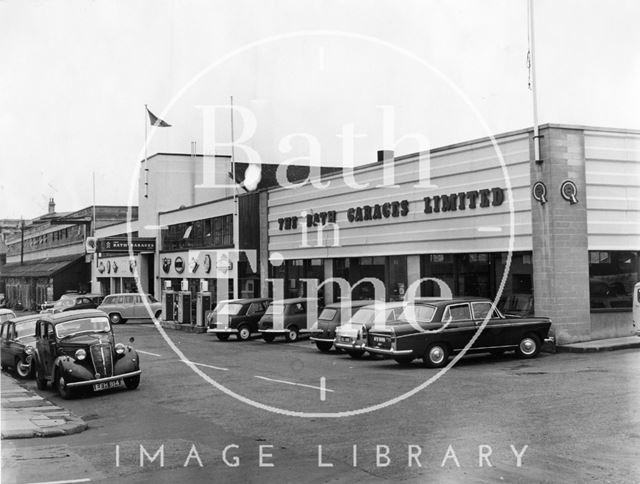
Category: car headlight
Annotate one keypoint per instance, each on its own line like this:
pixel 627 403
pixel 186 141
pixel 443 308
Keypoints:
pixel 81 354
pixel 28 350
pixel 120 349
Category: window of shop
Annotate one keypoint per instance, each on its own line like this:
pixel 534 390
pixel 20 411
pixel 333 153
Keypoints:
pixel 480 274
pixel 215 232
pixel 612 275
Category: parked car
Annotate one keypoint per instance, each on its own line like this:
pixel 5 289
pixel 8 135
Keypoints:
pixel 17 341
pixel 122 307
pixel 6 314
pixel 442 328
pixel 77 349
pixel 294 316
pixel 71 302
pixel 636 309
pixel 236 316
pixel 350 336
pixel 333 315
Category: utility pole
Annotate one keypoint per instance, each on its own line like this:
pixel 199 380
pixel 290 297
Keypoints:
pixel 21 241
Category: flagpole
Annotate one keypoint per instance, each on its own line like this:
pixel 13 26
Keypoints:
pixel 146 169
pixel 236 228
pixel 536 134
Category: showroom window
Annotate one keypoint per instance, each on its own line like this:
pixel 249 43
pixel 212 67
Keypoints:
pixel 612 275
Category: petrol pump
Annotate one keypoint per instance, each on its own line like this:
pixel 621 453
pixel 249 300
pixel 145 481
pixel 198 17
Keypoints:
pixel 184 303
pixel 168 303
pixel 203 303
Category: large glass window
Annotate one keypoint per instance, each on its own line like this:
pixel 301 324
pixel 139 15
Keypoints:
pixel 612 275
pixel 215 232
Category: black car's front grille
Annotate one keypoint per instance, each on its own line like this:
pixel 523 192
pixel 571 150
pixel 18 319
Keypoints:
pixel 102 358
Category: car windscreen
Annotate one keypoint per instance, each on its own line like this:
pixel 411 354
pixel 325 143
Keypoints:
pixel 328 314
pixel 28 328
pixel 229 309
pixel 84 325
pixel 417 313
pixel 275 309
pixel 363 316
pixel 151 298
pixel 64 303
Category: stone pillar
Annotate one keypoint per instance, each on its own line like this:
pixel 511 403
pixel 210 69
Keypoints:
pixel 413 271
pixel 263 251
pixel 328 274
pixel 559 233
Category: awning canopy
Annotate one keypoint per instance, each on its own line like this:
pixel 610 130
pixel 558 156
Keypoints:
pixel 40 267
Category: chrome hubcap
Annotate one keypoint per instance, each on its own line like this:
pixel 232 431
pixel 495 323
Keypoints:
pixel 436 354
pixel 527 346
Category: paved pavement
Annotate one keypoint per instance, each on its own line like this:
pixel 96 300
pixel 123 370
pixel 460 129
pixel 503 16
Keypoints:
pixel 601 345
pixel 26 414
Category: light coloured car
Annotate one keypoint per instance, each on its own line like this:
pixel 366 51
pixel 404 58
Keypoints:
pixel 6 314
pixel 122 307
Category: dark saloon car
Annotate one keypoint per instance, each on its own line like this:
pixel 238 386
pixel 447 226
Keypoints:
pixel 292 314
pixel 332 316
pixel 441 328
pixel 72 302
pixel 77 349
pixel 17 341
pixel 236 316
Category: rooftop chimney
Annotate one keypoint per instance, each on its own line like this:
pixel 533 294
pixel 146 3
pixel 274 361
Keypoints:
pixel 52 206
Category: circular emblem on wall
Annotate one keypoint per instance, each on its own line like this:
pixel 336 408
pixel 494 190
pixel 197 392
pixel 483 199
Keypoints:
pixel 193 265
pixel 569 190
pixel 539 191
pixel 179 265
pixel 115 267
pixel 166 264
pixel 101 267
pixel 108 267
pixel 207 263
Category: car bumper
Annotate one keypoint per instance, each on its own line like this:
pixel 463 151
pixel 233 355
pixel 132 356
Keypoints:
pixel 349 346
pixel 274 331
pixel 552 340
pixel 222 330
pixel 321 339
pixel 76 384
pixel 389 352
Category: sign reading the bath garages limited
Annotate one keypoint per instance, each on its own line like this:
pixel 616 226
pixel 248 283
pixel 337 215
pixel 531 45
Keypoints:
pixel 447 202
pixel 121 244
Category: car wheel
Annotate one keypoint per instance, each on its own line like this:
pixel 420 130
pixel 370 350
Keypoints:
pixel 324 346
pixel 436 356
pixel 115 318
pixel 291 335
pixel 355 354
pixel 529 346
pixel 403 360
pixel 23 370
pixel 222 336
pixel 61 386
pixel 41 382
pixel 268 337
pixel 132 382
pixel 244 333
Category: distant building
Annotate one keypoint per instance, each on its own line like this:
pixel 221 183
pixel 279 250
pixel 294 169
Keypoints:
pixel 46 257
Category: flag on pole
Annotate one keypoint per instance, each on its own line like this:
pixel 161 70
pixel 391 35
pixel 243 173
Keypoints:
pixel 156 121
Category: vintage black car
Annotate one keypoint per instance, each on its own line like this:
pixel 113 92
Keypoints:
pixel 323 332
pixel 72 302
pixel 17 341
pixel 236 316
pixel 286 318
pixel 77 349
pixel 442 328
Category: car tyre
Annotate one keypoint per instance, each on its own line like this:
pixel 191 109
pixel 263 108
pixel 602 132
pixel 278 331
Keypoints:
pixel 115 318
pixel 355 354
pixel 64 391
pixel 244 333
pixel 324 346
pixel 222 336
pixel 23 370
pixel 403 360
pixel 529 346
pixel 292 334
pixel 268 337
pixel 436 356
pixel 41 382
pixel 132 382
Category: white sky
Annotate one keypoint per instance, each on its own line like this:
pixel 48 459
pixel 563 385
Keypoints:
pixel 75 76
